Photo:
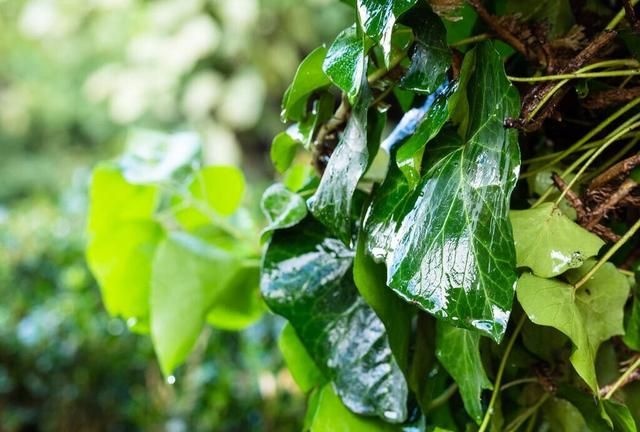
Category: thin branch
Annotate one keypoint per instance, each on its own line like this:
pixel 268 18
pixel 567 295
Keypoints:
pixel 616 171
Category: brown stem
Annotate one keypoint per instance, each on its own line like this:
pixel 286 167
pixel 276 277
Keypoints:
pixel 618 170
pixel 611 97
pixel 601 211
pixel 631 15
pixel 571 196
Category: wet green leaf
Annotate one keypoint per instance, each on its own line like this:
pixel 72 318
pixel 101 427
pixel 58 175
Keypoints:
pixel 307 278
pixel 282 208
pixel 188 276
pixel 377 18
pixel 240 304
pixel 308 78
pixel 283 150
pixel 331 415
pixel 410 153
pixel 431 57
pixel 459 352
pixel 588 316
pixel 214 189
pixel 333 200
pixel 396 314
pixel 122 237
pixel 448 245
pixel 346 62
pixel 303 370
pixel 549 243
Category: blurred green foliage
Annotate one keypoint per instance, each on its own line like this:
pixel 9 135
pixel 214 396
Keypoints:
pixel 75 76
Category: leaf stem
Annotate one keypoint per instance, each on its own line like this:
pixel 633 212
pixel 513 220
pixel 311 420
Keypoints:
pixel 473 39
pixel 609 254
pixel 623 379
pixel 619 16
pixel 577 75
pixel 379 73
pixel 518 382
pixel 614 136
pixel 593 132
pixel 503 364
pixel 517 422
pixel 443 397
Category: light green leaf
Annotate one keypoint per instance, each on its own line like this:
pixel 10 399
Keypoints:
pixel 548 242
pixel 282 208
pixel 620 416
pixel 214 191
pixel 632 327
pixel 377 18
pixel 346 62
pixel 122 237
pixel 588 316
pixel 240 304
pixel 332 416
pixel 458 350
pixel 308 78
pixel 283 150
pixel 188 276
pixel 303 370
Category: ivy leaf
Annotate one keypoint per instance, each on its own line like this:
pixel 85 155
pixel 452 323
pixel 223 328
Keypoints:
pixel 396 314
pixel 333 200
pixel 307 278
pixel 588 316
pixel 458 350
pixel 188 275
pixel 620 416
pixel 282 208
pixel 592 409
pixel 239 305
pixel 308 78
pixel 377 18
pixel 563 416
pixel 303 370
pixel 331 415
pixel 122 240
pixel 431 56
pixel 409 156
pixel 283 150
pixel 346 62
pixel 217 189
pixel 451 249
pixel 632 328
pixel 548 242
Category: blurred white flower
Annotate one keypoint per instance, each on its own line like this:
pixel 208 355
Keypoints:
pixel 201 95
pixel 220 146
pixel 243 98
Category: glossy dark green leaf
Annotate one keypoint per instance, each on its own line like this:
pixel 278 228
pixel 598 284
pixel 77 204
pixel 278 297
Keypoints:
pixel 282 208
pixel 188 276
pixel 409 156
pixel 448 245
pixel 396 314
pixel 431 56
pixel 307 278
pixel 346 62
pixel 333 201
pixel 301 366
pixel 458 350
pixel 308 78
pixel 377 18
pixel 283 150
pixel 122 238
pixel 588 316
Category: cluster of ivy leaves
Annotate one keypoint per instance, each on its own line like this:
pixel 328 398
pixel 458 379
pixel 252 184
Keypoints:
pixel 416 298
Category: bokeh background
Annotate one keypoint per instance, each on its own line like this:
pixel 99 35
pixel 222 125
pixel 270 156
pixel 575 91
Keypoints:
pixel 76 77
